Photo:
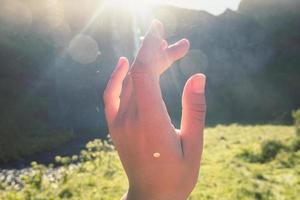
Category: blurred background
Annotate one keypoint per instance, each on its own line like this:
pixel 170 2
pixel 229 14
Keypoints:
pixel 57 55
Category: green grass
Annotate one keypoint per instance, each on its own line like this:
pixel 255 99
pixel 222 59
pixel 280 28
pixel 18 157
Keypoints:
pixel 224 175
pixel 226 171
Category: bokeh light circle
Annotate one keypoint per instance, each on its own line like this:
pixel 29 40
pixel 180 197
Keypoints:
pixel 83 49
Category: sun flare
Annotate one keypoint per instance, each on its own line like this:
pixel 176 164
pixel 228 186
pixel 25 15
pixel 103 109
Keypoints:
pixel 139 8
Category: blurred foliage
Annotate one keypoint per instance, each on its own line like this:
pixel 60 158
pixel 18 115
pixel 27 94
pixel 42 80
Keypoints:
pixel 97 173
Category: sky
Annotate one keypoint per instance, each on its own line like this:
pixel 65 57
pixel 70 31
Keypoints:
pixel 215 7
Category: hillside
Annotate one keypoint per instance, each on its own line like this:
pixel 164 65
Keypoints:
pixel 249 57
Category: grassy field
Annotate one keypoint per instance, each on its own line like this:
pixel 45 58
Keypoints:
pixel 239 162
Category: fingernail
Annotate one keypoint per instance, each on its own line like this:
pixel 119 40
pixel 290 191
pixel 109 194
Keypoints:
pixel 156 27
pixel 155 23
pixel 198 83
pixel 120 63
pixel 184 42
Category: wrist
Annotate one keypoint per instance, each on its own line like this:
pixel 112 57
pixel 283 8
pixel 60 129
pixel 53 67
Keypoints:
pixel 136 195
pixel 124 197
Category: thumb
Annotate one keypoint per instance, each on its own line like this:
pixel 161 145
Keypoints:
pixel 193 117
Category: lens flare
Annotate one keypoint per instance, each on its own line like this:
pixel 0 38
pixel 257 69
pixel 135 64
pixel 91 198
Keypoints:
pixel 83 49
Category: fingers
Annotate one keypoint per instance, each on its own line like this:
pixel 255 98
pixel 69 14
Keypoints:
pixel 145 77
pixel 175 52
pixel 113 89
pixel 155 56
pixel 154 37
pixel 178 50
pixel 193 117
pixel 164 45
pixel 148 57
pixel 126 102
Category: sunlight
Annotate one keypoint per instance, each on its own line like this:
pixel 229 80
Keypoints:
pixel 138 8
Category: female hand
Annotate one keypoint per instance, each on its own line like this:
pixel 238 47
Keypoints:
pixel 161 163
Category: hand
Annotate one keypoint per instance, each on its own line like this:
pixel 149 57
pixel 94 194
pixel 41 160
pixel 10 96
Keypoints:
pixel 161 163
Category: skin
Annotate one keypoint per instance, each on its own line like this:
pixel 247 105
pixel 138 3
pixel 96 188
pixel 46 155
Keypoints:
pixel 140 126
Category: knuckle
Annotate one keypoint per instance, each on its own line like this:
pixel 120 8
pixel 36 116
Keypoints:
pixel 199 116
pixel 141 68
pixel 197 110
pixel 143 77
pixel 139 73
pixel 198 107
pixel 152 40
pixel 195 100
